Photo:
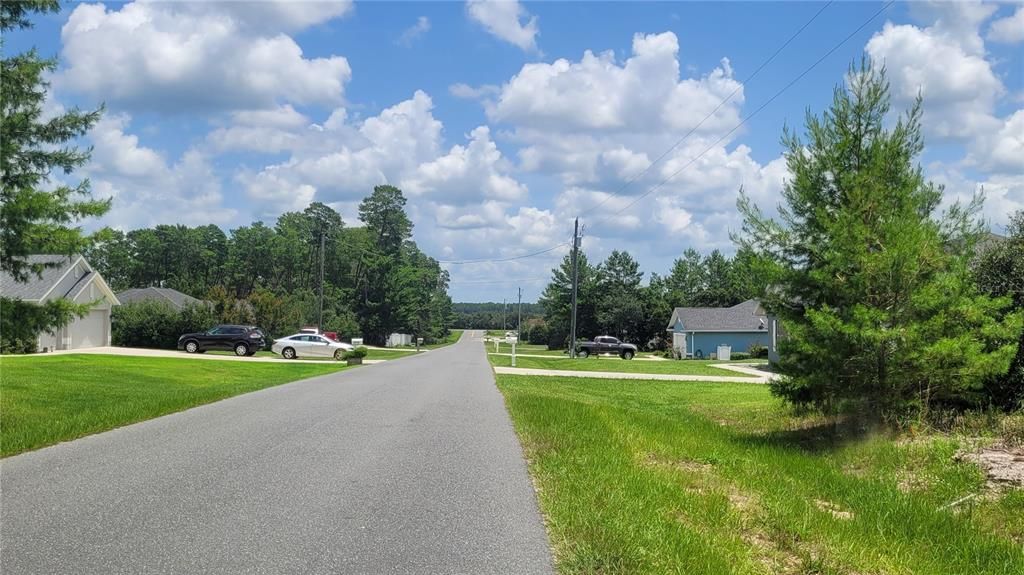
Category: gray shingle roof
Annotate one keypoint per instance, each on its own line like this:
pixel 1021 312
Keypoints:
pixel 37 286
pixel 746 316
pixel 173 297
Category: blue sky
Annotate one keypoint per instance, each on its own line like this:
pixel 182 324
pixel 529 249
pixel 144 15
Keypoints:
pixel 495 123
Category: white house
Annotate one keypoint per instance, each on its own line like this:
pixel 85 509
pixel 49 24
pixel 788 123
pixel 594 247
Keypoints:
pixel 74 279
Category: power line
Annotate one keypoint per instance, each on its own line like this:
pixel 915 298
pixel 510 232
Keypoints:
pixel 518 280
pixel 498 260
pixel 621 188
pixel 754 113
pixel 712 113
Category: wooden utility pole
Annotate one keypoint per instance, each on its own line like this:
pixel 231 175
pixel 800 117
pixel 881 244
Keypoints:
pixel 575 287
pixel 320 312
pixel 519 321
pixel 504 309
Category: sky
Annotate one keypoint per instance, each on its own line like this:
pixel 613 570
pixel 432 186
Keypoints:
pixel 503 121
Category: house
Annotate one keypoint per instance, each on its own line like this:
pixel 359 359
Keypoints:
pixel 74 279
pixel 698 331
pixel 171 297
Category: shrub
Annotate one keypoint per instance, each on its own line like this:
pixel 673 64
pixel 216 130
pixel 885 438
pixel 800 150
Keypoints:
pixel 156 324
pixel 758 350
pixel 739 356
pixel 357 353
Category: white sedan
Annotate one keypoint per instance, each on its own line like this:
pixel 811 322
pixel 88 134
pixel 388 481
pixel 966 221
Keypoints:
pixel 309 345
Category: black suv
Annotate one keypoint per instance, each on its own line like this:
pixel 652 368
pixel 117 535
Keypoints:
pixel 242 339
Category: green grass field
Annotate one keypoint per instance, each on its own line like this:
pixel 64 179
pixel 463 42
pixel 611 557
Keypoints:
pixel 720 478
pixel 528 348
pixel 46 400
pixel 688 367
pixel 453 336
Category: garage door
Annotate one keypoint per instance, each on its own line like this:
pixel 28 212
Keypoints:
pixel 90 331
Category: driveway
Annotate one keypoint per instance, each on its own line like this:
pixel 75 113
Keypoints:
pixel 752 375
pixel 410 467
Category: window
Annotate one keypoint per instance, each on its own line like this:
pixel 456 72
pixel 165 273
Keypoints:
pixel 216 330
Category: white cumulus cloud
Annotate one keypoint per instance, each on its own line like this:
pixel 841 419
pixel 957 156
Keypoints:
pixel 505 20
pixel 195 56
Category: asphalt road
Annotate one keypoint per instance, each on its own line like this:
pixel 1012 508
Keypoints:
pixel 411 466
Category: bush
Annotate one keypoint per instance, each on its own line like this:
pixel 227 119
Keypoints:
pixel 739 356
pixel 155 324
pixel 758 351
pixel 357 353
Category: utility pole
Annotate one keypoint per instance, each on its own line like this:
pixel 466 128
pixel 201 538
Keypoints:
pixel 519 321
pixel 320 312
pixel 575 287
pixel 504 309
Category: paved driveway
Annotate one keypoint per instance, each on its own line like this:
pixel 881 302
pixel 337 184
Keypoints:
pixel 143 352
pixel 410 467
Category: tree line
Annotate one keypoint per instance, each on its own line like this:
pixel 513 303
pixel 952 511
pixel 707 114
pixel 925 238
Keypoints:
pixel 376 281
pixel 494 315
pixel 612 298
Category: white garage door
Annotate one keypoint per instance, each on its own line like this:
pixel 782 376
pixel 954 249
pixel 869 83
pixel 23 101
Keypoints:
pixel 90 331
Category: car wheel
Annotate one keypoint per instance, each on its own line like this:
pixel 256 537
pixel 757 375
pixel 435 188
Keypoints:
pixel 583 354
pixel 191 346
pixel 288 353
pixel 627 355
pixel 241 350
pixel 339 354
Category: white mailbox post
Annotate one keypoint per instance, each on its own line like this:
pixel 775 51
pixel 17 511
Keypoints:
pixel 513 340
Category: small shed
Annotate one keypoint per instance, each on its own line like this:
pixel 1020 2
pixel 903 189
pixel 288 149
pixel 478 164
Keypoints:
pixel 698 331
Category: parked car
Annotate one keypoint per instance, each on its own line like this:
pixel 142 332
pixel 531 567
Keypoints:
pixel 309 345
pixel 242 339
pixel 605 344
pixel 315 331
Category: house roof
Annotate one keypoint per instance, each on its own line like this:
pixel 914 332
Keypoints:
pixel 746 316
pixel 41 287
pixel 37 286
pixel 171 296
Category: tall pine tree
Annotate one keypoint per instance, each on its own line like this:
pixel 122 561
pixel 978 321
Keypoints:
pixel 37 209
pixel 875 294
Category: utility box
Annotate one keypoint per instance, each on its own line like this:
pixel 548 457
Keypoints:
pixel 725 352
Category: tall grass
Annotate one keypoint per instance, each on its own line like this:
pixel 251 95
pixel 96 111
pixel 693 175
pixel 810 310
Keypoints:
pixel 721 478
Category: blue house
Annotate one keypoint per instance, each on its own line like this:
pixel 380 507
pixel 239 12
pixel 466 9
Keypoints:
pixel 698 331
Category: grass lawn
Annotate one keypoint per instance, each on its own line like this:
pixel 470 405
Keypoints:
pixel 453 336
pixel 528 348
pixel 690 477
pixel 46 400
pixel 687 367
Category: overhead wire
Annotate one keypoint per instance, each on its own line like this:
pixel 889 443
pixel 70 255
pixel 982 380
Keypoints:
pixel 748 117
pixel 722 103
pixel 692 130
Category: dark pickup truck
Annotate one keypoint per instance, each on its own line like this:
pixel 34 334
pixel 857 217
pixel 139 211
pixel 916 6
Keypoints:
pixel 605 344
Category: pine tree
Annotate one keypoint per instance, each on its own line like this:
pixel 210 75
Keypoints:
pixel 37 210
pixel 37 218
pixel 875 294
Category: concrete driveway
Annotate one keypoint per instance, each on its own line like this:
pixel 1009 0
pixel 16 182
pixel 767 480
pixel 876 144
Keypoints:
pixel 409 467
pixel 141 352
